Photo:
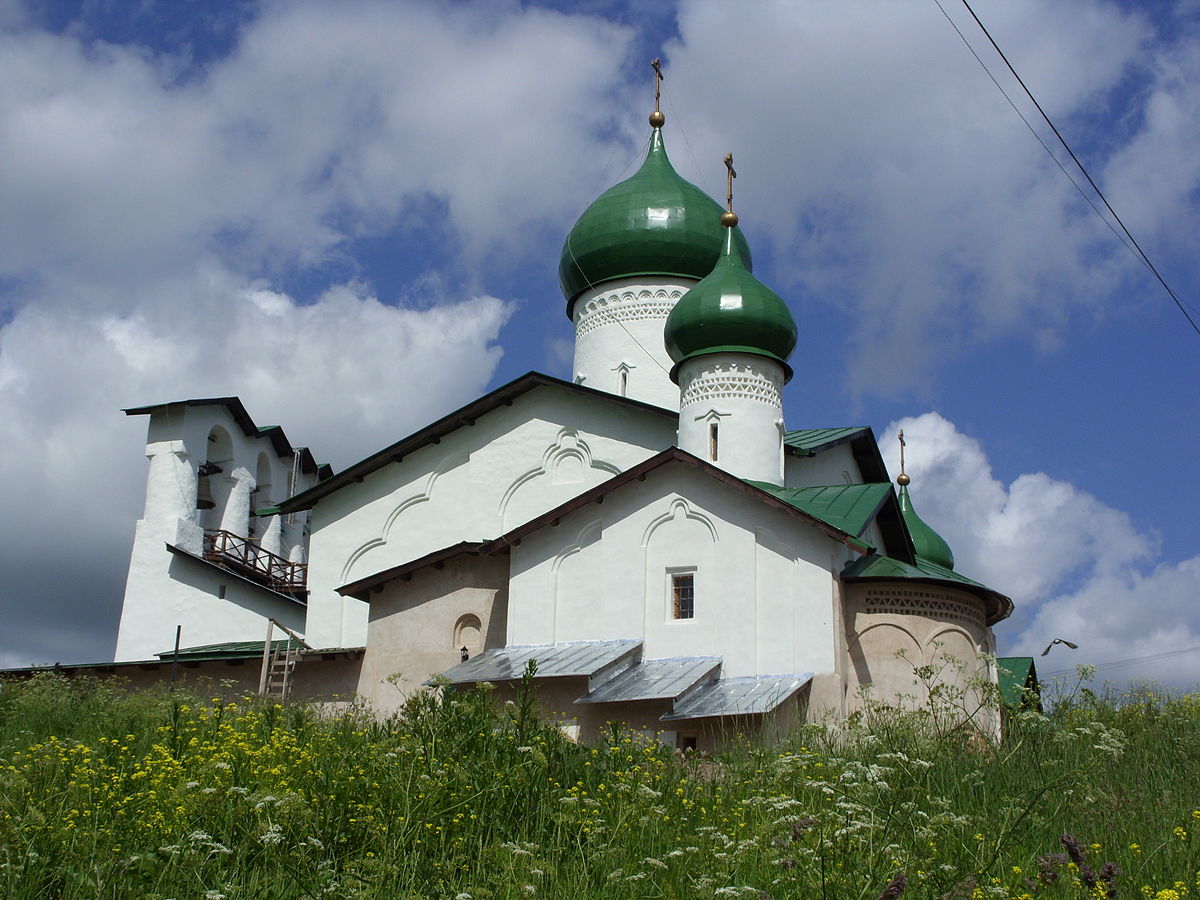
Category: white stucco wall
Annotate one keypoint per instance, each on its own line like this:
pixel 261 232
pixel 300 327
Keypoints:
pixel 895 628
pixel 832 466
pixel 738 399
pixel 619 338
pixel 477 483
pixel 764 584
pixel 162 590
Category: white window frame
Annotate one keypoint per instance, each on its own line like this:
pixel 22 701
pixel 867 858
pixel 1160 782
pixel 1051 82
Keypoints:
pixel 672 602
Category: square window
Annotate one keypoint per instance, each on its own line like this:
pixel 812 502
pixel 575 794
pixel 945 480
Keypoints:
pixel 683 595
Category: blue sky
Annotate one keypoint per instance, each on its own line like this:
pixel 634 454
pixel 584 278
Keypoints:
pixel 350 215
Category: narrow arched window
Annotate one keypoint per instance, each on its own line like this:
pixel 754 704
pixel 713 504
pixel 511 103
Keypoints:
pixel 712 441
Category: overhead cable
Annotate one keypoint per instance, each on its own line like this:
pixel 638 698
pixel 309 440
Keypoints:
pixel 1131 244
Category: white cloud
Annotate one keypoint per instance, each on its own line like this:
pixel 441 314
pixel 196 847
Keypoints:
pixel 880 162
pixel 1075 567
pixel 344 376
pixel 142 219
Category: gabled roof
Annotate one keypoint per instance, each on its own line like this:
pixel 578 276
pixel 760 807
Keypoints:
pixel 463 417
pixel 273 433
pixel 884 568
pixel 1018 678
pixel 672 455
pixel 811 441
pixel 851 508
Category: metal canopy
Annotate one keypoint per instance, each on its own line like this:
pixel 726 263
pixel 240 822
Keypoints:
pixel 553 660
pixel 737 697
pixel 654 679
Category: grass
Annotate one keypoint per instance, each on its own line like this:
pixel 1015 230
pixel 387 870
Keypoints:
pixel 106 793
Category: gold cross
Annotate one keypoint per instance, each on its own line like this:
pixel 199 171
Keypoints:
pixel 656 65
pixel 729 181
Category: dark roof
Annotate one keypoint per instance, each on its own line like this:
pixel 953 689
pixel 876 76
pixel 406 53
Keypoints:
pixel 875 567
pixel 464 416
pixel 359 589
pixel 273 433
pixel 864 448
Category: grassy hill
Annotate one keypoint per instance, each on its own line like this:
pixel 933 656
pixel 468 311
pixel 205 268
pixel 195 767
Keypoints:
pixel 110 794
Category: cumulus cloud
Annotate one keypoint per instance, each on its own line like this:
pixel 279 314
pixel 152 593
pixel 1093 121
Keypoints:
pixel 880 162
pixel 146 219
pixel 344 375
pixel 1075 567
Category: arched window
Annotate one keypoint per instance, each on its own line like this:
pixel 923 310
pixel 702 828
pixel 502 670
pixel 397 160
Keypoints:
pixel 468 632
pixel 262 493
pixel 212 489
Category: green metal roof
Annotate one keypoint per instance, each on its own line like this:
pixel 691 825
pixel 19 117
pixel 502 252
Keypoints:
pixel 730 311
pixel 654 223
pixel 928 544
pixel 848 507
pixel 880 568
pixel 809 440
pixel 1017 675
pixel 228 650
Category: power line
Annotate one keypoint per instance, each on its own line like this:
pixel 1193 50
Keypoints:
pixel 1126 663
pixel 1036 136
pixel 1140 253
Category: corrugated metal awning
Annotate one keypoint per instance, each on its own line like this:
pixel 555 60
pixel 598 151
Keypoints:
pixel 553 660
pixel 737 697
pixel 654 679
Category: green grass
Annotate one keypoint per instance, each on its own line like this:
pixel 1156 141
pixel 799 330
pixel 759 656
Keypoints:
pixel 112 794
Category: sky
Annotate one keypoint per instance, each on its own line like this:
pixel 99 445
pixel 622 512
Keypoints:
pixel 350 216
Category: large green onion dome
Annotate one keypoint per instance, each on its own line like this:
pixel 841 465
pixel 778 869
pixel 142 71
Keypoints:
pixel 730 311
pixel 927 543
pixel 654 223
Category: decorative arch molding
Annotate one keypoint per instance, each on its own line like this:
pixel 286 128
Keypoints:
pixel 765 537
pixel 568 447
pixel 857 637
pixel 625 305
pixel 937 641
pixel 447 464
pixel 588 534
pixel 680 509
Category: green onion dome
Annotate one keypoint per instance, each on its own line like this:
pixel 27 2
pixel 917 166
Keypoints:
pixel 730 311
pixel 928 544
pixel 654 223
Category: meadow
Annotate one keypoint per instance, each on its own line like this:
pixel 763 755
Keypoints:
pixel 106 793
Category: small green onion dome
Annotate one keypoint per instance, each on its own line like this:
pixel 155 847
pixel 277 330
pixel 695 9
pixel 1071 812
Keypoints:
pixel 654 223
pixel 730 311
pixel 927 543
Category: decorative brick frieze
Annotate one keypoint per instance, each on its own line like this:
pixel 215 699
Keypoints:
pixel 624 306
pixel 737 381
pixel 922 602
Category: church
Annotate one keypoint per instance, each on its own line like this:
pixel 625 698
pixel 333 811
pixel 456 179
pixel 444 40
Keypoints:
pixel 649 539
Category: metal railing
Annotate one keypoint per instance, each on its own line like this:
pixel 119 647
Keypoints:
pixel 246 557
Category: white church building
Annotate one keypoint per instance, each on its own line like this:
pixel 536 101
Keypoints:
pixel 651 532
